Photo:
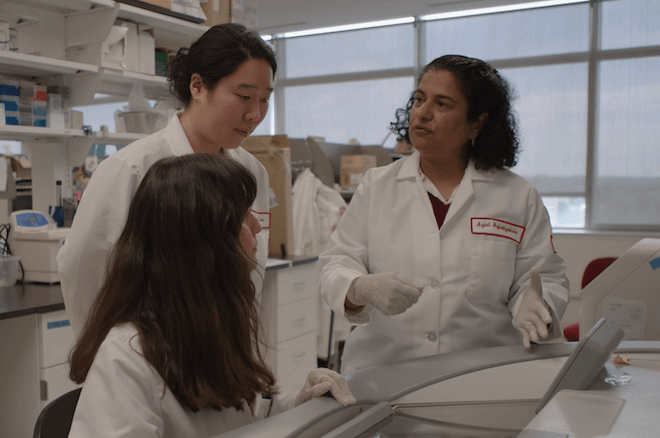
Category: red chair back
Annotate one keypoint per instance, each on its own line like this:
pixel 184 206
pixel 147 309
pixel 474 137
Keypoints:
pixel 594 268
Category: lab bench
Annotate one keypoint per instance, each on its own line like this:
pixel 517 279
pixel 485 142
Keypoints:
pixel 36 338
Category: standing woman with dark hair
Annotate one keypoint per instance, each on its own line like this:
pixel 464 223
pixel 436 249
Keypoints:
pixel 170 348
pixel 446 250
pixel 225 80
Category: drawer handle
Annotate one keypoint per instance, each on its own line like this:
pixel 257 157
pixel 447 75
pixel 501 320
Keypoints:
pixel 298 285
pixel 299 320
pixel 299 355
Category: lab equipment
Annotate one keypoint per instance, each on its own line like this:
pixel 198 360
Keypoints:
pixel 36 239
pixel 489 392
pixel 586 361
pixel 627 293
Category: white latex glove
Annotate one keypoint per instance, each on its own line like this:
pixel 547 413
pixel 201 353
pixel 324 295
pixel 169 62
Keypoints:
pixel 322 380
pixel 389 292
pixel 533 316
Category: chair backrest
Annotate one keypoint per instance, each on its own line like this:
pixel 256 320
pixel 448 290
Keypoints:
pixel 55 419
pixel 594 268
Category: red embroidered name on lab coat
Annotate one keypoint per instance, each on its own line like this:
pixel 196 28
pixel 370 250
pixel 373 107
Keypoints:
pixel 262 218
pixel 496 227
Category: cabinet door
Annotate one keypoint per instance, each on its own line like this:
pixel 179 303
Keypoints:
pixel 57 382
pixel 56 338
pixel 19 376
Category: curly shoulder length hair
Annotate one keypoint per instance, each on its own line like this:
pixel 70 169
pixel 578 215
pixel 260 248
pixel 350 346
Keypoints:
pixel 497 145
pixel 179 274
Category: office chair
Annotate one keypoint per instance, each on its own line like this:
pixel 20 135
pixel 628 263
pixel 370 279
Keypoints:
pixel 593 269
pixel 55 419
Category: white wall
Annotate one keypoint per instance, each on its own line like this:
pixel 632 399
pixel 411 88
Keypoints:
pixel 579 248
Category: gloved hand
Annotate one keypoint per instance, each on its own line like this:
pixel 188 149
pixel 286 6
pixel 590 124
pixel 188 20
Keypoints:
pixel 533 316
pixel 322 380
pixel 389 292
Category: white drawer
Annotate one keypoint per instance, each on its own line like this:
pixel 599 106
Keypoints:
pixel 296 319
pixel 56 338
pixel 295 355
pixel 296 283
pixel 294 382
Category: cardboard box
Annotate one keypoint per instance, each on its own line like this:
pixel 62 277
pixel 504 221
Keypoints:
pixel 274 153
pixel 230 11
pixel 216 11
pixel 162 3
pixel 22 167
pixel 353 168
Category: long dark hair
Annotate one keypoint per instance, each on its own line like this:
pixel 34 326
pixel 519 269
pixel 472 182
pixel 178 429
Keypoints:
pixel 218 53
pixel 486 91
pixel 179 273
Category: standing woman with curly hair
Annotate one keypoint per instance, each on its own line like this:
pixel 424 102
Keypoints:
pixel 224 80
pixel 447 249
pixel 170 348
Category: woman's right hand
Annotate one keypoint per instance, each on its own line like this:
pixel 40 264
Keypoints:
pixel 389 292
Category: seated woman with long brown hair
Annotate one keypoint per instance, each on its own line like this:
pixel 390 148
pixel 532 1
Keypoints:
pixel 171 346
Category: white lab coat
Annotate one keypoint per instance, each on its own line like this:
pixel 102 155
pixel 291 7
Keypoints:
pixel 473 269
pixel 123 395
pixel 103 210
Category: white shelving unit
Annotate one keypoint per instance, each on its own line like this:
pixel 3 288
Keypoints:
pixel 46 28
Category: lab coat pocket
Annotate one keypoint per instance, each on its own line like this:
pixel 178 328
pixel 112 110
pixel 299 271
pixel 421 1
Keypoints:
pixel 492 268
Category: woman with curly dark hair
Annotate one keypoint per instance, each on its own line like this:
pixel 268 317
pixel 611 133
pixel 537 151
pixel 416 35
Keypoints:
pixel 171 348
pixel 451 249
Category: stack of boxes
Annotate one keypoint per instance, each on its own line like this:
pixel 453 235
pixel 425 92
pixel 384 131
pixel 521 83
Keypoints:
pixel 230 11
pixel 9 97
pixel 40 107
pixel 29 104
pixel 32 104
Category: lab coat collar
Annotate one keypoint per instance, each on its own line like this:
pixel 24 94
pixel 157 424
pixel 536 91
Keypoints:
pixel 176 137
pixel 410 169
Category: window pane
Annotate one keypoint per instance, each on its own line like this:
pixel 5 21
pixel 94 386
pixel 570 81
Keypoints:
pixel 265 126
pixel 370 49
pixel 341 111
pixel 552 117
pixel 565 212
pixel 630 23
pixel 627 185
pixel 535 32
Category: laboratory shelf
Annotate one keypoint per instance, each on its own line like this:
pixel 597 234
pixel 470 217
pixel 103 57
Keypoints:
pixel 171 31
pixel 32 65
pixel 117 138
pixel 31 133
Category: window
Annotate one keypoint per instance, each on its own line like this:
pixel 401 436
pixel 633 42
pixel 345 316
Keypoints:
pixel 370 49
pixel 536 32
pixel 552 118
pixel 328 91
pixel 340 112
pixel 626 187
pixel 630 23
